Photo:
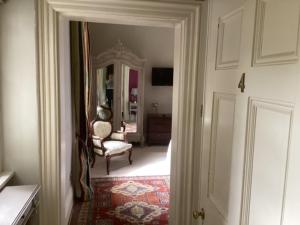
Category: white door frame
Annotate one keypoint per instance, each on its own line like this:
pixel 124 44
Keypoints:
pixel 185 17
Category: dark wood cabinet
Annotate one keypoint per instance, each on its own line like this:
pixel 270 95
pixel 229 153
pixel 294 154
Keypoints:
pixel 159 128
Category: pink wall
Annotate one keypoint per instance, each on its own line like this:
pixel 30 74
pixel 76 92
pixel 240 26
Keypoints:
pixel 133 80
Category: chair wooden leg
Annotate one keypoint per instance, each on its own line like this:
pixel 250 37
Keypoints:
pixel 94 160
pixel 107 164
pixel 129 157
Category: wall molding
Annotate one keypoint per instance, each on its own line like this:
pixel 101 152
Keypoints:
pixel 184 17
pixel 217 97
pixel 258 58
pixel 253 106
pixel 223 21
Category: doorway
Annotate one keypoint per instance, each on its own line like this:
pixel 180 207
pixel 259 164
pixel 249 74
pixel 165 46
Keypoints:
pixel 132 71
pixel 185 18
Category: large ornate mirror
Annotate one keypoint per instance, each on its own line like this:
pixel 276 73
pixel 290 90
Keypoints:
pixel 105 86
pixel 120 86
pixel 129 98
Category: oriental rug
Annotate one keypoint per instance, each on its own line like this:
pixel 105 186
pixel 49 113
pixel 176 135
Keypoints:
pixel 125 201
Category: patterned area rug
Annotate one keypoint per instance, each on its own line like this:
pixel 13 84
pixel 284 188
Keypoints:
pixel 124 201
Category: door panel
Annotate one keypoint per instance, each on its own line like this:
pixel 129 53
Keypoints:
pixel 252 177
pixel 266 162
pixel 220 169
pixel 229 37
pixel 276 32
pixel 221 152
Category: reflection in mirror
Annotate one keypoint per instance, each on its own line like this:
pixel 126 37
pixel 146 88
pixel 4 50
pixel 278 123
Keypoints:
pixel 105 86
pixel 129 100
pixel 104 113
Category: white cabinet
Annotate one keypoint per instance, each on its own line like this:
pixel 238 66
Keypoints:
pixel 17 204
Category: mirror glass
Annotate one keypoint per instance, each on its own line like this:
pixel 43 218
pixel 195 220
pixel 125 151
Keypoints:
pixel 129 100
pixel 105 86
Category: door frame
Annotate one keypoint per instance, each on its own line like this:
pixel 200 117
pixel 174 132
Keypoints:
pixel 189 62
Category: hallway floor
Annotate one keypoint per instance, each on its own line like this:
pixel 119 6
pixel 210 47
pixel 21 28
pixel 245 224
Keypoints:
pixel 147 161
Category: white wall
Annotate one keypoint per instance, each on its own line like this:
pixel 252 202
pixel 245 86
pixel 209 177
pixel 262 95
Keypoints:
pixel 1 105
pixel 18 73
pixel 154 44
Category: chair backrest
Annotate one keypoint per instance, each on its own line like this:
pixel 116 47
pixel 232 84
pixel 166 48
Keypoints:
pixel 101 126
pixel 102 129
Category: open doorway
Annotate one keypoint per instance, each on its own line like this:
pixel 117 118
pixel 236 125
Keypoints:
pixel 184 17
pixel 132 77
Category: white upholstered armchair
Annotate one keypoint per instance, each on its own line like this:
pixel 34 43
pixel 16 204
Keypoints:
pixel 105 142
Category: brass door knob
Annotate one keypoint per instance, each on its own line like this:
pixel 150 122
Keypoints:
pixel 197 214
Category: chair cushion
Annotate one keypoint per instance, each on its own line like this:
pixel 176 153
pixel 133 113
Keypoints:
pixel 115 147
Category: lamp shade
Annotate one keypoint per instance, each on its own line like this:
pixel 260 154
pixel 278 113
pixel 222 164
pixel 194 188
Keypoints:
pixel 134 91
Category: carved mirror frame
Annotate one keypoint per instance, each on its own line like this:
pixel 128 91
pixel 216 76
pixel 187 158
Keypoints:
pixel 121 55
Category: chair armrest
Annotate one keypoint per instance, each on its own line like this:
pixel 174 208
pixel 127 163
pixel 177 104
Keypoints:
pixel 97 141
pixel 123 126
pixel 118 135
pixel 94 137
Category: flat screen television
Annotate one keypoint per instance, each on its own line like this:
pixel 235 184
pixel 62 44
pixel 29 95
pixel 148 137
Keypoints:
pixel 162 76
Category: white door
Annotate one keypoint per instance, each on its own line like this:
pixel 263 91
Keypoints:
pixel 251 160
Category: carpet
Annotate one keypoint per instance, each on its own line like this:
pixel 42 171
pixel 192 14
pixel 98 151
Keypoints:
pixel 125 201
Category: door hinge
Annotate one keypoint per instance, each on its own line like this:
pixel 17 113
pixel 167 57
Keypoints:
pixel 201 110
